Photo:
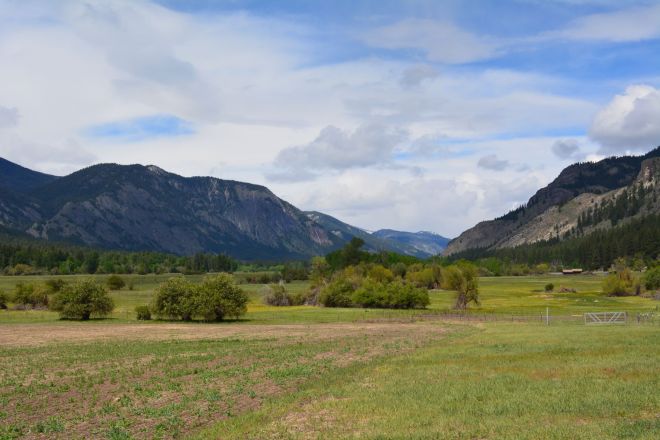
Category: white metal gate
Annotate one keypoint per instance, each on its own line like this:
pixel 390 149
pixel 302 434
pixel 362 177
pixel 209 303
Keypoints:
pixel 605 318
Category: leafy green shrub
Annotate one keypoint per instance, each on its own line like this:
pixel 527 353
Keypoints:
pixel 652 278
pixel 320 272
pixel 22 269
pixel 371 294
pixel 294 271
pixel 214 299
pixel 54 285
pixel 423 278
pixel 549 287
pixel 337 293
pixel 399 269
pixel 406 296
pixel 542 268
pixel 115 282
pixel 613 285
pixel 276 296
pixel 29 295
pixel 394 295
pixel 219 297
pixel 298 299
pixel 143 313
pixel 83 300
pixel 175 299
pixel 463 278
pixel 380 274
pixel 4 299
pixel 623 282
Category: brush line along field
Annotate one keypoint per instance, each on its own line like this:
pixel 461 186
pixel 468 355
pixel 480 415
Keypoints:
pixel 310 372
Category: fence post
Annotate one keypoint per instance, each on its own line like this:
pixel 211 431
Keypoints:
pixel 547 316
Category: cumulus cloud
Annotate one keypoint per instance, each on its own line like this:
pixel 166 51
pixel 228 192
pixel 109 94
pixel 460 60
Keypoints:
pixel 629 122
pixel 337 149
pixel 8 117
pixel 441 41
pixel 566 148
pixel 492 162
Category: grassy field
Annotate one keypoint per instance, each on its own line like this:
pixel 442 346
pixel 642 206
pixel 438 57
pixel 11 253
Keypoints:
pixel 496 381
pixel 503 295
pixel 309 372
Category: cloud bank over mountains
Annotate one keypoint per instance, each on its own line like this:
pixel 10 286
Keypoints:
pixel 421 117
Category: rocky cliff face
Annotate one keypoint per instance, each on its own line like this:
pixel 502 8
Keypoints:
pixel 553 211
pixel 145 208
pixel 561 221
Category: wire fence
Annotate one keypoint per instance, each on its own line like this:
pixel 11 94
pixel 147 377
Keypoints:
pixel 541 317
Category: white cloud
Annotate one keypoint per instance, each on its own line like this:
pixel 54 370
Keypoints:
pixel 55 158
pixel 254 87
pixel 441 41
pixel 566 148
pixel 8 117
pixel 492 162
pixel 632 24
pixel 630 122
pixel 336 149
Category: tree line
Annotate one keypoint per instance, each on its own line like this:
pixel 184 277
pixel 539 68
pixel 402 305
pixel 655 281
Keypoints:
pixel 20 256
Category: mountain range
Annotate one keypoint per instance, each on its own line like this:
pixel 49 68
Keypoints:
pixel 145 208
pixel 137 208
pixel 584 197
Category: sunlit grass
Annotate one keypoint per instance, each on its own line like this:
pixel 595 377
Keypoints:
pixel 499 381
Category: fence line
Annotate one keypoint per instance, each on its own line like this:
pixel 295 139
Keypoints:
pixel 545 317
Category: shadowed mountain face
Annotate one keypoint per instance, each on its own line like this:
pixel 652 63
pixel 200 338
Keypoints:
pixel 138 208
pixel 145 208
pixel 554 210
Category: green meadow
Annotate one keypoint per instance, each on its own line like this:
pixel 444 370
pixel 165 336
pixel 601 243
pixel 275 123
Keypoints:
pixel 311 372
pixel 499 295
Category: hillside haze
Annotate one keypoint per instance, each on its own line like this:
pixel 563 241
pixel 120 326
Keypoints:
pixel 425 242
pixel 584 197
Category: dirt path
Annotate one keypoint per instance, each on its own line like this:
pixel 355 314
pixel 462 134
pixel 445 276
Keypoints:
pixel 26 335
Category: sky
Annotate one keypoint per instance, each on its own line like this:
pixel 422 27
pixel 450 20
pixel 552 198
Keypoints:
pixel 411 115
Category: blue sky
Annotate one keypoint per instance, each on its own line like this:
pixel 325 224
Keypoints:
pixel 141 128
pixel 416 115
